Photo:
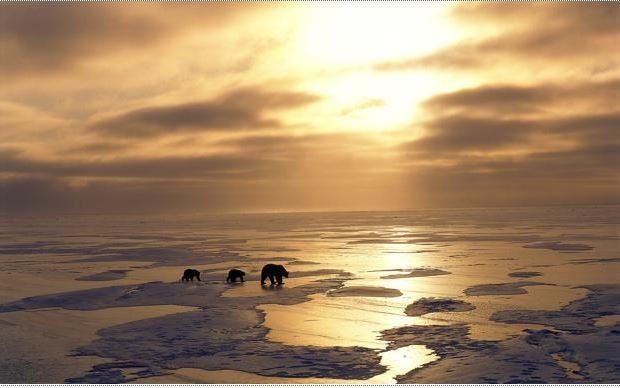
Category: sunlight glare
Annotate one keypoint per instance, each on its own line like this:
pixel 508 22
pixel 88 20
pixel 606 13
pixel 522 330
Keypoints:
pixel 373 34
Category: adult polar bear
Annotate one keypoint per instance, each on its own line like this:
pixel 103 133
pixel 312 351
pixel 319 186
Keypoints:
pixel 274 272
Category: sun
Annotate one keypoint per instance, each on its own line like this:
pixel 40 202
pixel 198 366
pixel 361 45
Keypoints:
pixel 345 43
pixel 360 33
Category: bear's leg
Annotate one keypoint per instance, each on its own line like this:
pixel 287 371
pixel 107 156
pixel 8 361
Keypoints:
pixel 279 278
pixel 263 277
pixel 272 279
pixel 242 279
pixel 198 276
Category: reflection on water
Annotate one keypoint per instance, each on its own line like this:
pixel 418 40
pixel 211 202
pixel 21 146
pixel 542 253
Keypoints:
pixel 402 361
pixel 328 321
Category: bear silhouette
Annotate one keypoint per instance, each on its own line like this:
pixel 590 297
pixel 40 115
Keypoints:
pixel 272 271
pixel 190 274
pixel 233 274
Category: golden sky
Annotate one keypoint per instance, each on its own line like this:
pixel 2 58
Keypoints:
pixel 199 107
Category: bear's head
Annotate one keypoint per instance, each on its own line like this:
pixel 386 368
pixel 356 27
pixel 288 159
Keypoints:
pixel 242 273
pixel 284 272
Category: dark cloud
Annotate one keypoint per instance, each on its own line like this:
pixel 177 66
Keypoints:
pixel 253 157
pixel 240 109
pixel 257 172
pixel 53 196
pixel 294 147
pixel 582 176
pixel 595 16
pixel 582 164
pixel 46 37
pixel 223 167
pixel 37 36
pixel 96 147
pixel 547 32
pixel 460 133
pixel 500 117
pixel 49 195
pixel 516 100
pixel 512 145
pixel 552 31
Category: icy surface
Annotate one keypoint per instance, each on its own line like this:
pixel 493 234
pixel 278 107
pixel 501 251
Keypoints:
pixel 560 246
pixel 432 305
pixel 524 274
pixel 113 274
pixel 458 295
pixel 579 350
pixel 376 292
pixel 500 288
pixel 417 272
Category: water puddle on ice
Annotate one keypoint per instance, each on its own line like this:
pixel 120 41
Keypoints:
pixel 329 321
pixel 402 361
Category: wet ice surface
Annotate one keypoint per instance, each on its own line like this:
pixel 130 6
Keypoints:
pixel 423 297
